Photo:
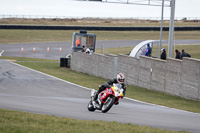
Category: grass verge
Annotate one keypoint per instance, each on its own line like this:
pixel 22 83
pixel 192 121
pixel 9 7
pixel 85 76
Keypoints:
pixel 22 122
pixel 24 36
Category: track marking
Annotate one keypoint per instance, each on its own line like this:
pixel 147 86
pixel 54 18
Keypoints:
pixel 91 89
pixel 1 53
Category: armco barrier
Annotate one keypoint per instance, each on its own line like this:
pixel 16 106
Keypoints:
pixel 95 28
pixel 175 77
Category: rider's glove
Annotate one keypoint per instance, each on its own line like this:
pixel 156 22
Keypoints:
pixel 107 86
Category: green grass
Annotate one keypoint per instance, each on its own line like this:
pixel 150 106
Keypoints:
pixel 23 36
pixel 22 122
pixel 163 99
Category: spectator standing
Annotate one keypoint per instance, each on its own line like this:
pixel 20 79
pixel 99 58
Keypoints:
pixel 148 50
pixel 184 54
pixel 78 42
pixel 178 54
pixel 163 55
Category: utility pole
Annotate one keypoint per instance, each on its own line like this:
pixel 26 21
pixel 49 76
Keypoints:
pixel 171 29
pixel 161 28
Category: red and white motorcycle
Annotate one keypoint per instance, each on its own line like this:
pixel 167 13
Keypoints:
pixel 106 99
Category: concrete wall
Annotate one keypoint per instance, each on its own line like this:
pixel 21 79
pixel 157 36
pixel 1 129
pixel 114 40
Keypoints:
pixel 144 73
pixel 129 66
pixel 158 75
pixel 190 78
pixel 175 77
pixel 94 64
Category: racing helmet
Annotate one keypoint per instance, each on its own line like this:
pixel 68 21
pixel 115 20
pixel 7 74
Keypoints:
pixel 120 78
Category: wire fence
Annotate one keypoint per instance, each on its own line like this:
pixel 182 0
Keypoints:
pixel 72 17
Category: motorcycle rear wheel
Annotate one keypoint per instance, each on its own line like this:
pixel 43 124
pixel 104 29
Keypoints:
pixel 108 104
pixel 90 106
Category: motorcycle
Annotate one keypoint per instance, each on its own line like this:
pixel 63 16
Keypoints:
pixel 106 99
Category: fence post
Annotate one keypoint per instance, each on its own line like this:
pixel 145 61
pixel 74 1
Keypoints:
pixel 115 67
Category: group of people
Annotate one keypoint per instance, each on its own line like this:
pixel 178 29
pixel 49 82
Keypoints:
pixel 84 48
pixel 180 55
pixel 163 55
pixel 149 51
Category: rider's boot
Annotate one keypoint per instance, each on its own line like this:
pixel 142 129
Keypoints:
pixel 96 104
pixel 95 96
pixel 95 101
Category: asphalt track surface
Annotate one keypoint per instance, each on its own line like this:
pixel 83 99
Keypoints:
pixel 27 90
pixel 41 48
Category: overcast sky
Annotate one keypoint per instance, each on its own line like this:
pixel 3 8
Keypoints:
pixel 70 8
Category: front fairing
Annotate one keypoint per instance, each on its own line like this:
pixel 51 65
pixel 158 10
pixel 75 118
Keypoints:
pixel 116 90
pixel 104 94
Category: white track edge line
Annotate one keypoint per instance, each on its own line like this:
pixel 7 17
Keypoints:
pixel 1 52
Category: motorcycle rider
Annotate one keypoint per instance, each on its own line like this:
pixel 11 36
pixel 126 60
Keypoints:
pixel 120 79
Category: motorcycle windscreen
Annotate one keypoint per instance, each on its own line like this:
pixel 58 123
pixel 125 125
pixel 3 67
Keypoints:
pixel 117 88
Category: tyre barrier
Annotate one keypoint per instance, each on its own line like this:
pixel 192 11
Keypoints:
pixel 96 28
pixel 65 62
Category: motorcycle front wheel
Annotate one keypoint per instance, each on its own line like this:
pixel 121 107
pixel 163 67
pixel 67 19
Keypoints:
pixel 108 104
pixel 90 106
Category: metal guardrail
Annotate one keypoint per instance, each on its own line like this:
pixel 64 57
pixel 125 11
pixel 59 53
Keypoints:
pixel 95 28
